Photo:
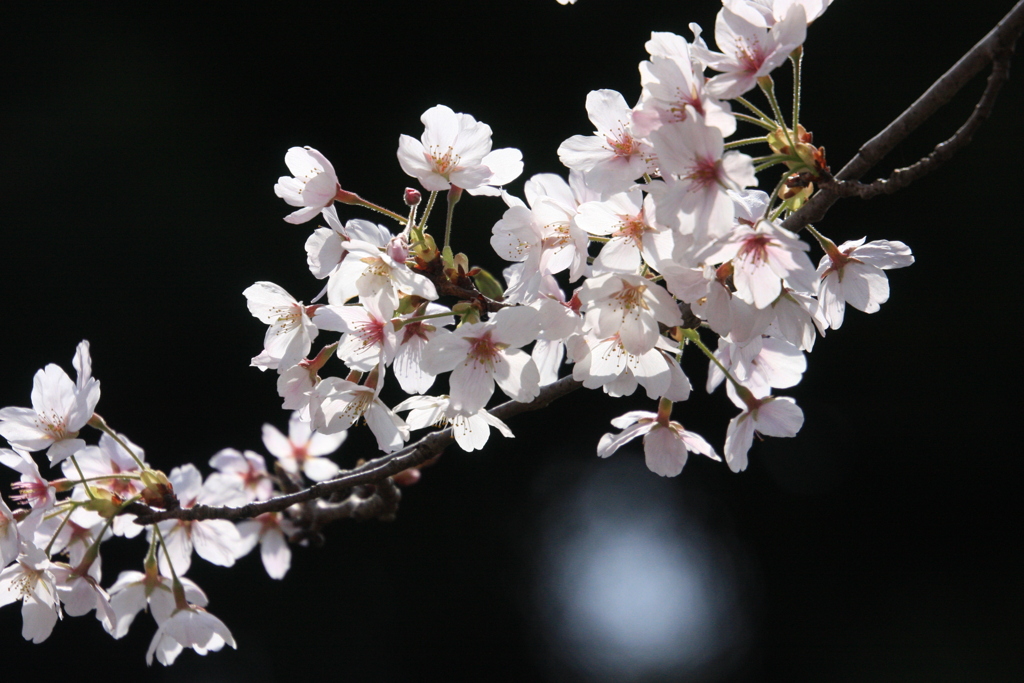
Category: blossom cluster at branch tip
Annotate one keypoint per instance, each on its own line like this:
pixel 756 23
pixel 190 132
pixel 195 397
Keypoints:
pixel 656 241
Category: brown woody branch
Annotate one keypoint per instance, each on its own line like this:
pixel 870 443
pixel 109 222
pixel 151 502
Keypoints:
pixel 372 472
pixel 995 48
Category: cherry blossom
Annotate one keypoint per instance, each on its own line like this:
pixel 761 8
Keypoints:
pixel 215 540
pixel 271 531
pixel 455 150
pixel 770 416
pixel 480 354
pixel 303 450
pixel 188 626
pixel 471 431
pixel 60 408
pixel 31 581
pixel 629 306
pixel 614 156
pixel 666 443
pixel 750 50
pixel 698 174
pixel 673 88
pixel 336 404
pixel 291 331
pixel 134 591
pixel 313 188
pixel 854 273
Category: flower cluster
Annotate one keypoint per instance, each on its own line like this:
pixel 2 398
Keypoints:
pixel 50 546
pixel 656 240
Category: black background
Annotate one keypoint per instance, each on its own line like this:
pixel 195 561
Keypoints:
pixel 140 147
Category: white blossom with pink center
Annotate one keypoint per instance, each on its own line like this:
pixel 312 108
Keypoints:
pixel 471 431
pixel 771 416
pixel 698 173
pixel 336 404
pixel 614 157
pixel 313 186
pixel 855 275
pixel 673 88
pixel 215 540
pixel 764 258
pixel 629 306
pixel 303 450
pixel 455 150
pixel 60 408
pixel 666 443
pixel 480 354
pixel 31 581
pixel 750 51
pixel 291 331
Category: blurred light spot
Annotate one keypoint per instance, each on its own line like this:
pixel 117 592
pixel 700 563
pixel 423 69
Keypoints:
pixel 629 587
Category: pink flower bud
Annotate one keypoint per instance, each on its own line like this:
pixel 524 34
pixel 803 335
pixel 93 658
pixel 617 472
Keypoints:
pixel 412 197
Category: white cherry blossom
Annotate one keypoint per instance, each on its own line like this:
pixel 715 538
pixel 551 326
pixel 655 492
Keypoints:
pixel 854 273
pixel 614 156
pixel 455 150
pixel 770 416
pixel 480 354
pixel 303 450
pixel 666 443
pixel 60 408
pixel 313 187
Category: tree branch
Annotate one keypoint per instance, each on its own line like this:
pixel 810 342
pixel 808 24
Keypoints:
pixel 944 151
pixel 993 48
pixel 370 472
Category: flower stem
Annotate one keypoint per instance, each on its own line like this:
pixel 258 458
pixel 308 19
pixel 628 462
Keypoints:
pixel 768 88
pixel 746 141
pixel 797 57
pixel 694 337
pixel 81 476
pixel 99 423
pixel 764 119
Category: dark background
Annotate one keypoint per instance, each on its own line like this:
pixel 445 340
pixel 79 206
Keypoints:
pixel 140 147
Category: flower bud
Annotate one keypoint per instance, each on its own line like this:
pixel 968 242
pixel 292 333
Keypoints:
pixel 412 197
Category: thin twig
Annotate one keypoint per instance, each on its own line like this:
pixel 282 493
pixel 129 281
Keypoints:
pixel 944 151
pixel 370 472
pixel 998 41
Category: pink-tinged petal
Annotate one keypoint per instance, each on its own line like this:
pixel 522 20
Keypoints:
pixel 389 429
pixel 413 157
pixel 408 367
pixel 506 165
pixel 865 287
pixel 277 443
pixel 517 375
pixel 470 178
pixel 885 254
pixel 610 443
pixel 178 546
pixel 446 350
pixel 320 468
pixel 780 416
pixel 830 298
pixel 664 453
pixel 302 215
pixel 632 417
pixel 738 438
pixel 38 620
pixel 583 152
pixel 217 541
pixel 695 443
pixel 275 553
pixel 516 325
pixel 471 386
pixel 653 372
